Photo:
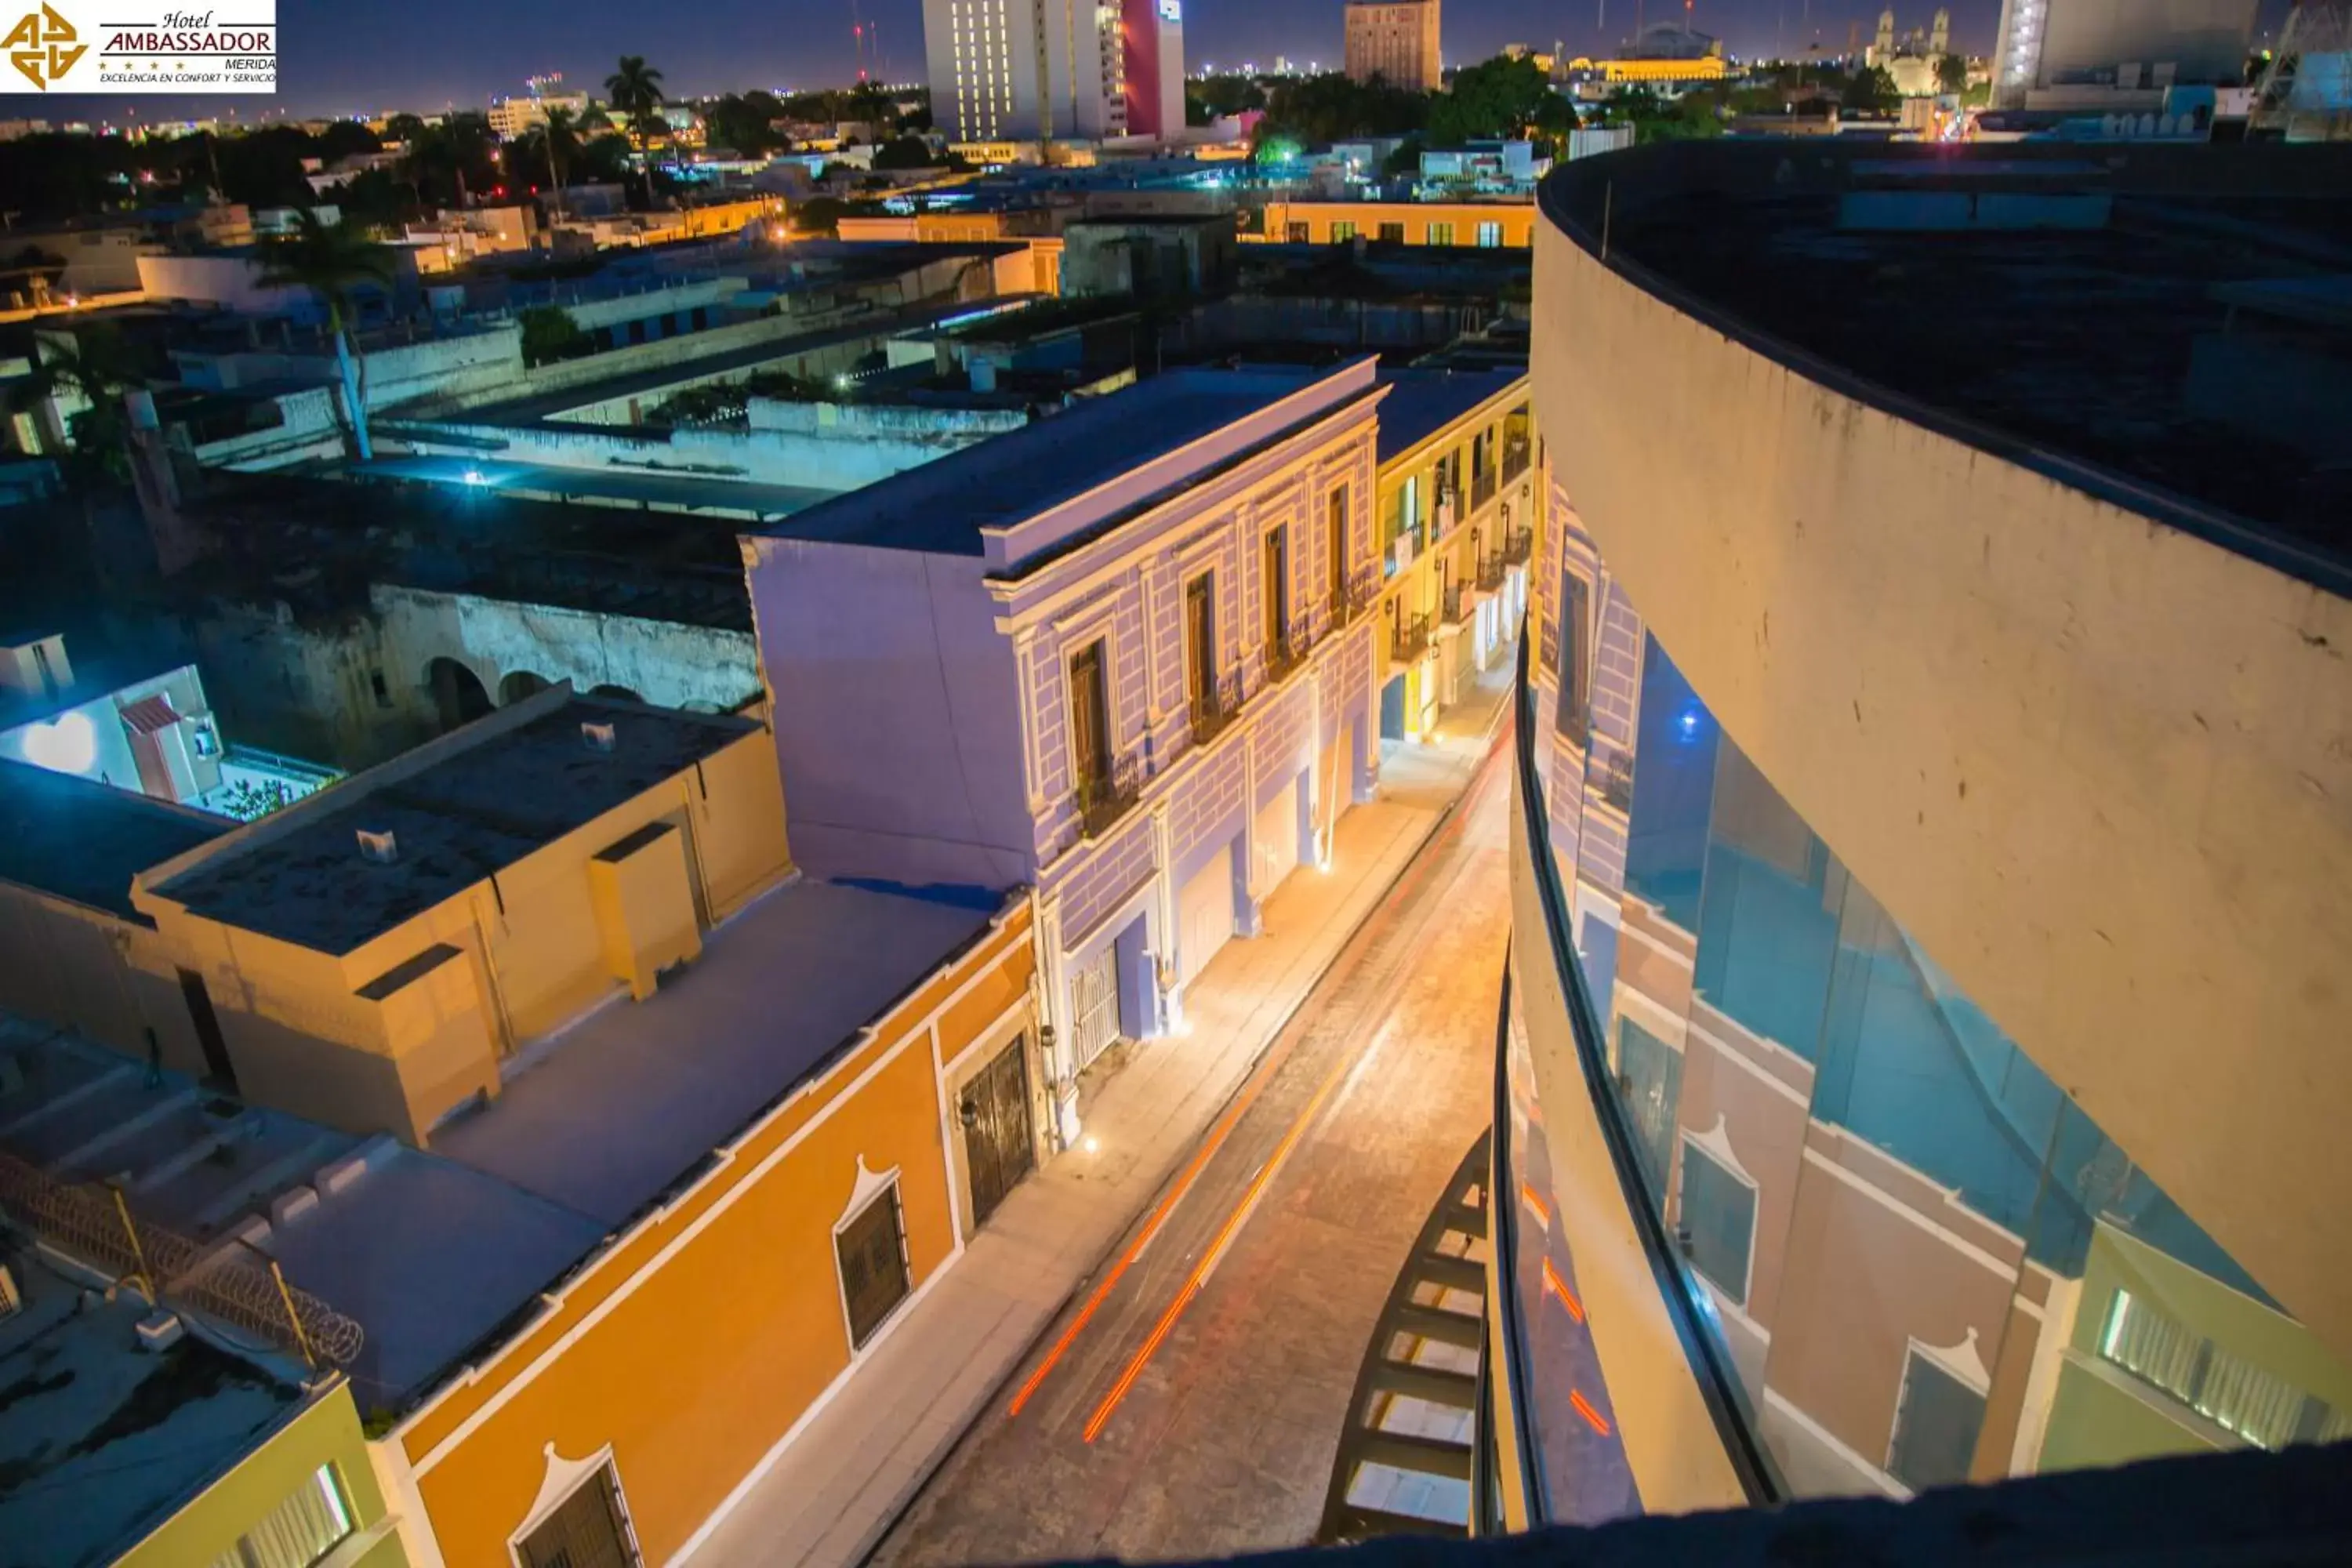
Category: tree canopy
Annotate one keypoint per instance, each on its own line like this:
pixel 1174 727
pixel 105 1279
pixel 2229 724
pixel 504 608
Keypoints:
pixel 1332 108
pixel 1501 97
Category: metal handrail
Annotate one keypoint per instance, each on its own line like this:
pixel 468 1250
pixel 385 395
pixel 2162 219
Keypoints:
pixel 1490 574
pixel 1452 611
pixel 1482 489
pixel 1519 546
pixel 1516 458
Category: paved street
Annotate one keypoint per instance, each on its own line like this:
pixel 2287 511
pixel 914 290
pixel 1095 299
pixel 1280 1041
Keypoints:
pixel 1190 1397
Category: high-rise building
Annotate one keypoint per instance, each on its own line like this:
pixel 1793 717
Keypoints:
pixel 2082 54
pixel 1395 40
pixel 1154 45
pixel 1022 71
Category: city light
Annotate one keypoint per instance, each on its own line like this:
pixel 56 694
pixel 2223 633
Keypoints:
pixel 68 744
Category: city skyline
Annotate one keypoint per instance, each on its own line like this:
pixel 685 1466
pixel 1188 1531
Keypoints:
pixel 335 62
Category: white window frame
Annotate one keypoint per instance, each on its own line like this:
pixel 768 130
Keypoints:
pixel 868 1189
pixel 1948 1360
pixel 1098 624
pixel 564 1478
pixel 1717 1147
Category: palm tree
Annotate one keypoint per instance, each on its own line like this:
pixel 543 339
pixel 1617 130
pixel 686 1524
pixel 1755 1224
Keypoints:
pixel 92 367
pixel 330 262
pixel 562 138
pixel 636 92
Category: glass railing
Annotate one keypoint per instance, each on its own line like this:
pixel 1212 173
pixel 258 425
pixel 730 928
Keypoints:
pixel 1892 1253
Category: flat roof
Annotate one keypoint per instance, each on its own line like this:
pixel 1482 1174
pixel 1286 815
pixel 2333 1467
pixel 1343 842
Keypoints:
pixel 2042 303
pixel 440 1255
pixel 496 794
pixel 83 841
pixel 941 507
pixel 838 955
pixel 703 495
pixel 317 544
pixel 1420 402
pixel 101 1441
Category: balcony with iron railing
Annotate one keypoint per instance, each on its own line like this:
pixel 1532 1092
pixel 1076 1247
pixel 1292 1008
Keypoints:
pixel 1410 639
pixel 1483 489
pixel 1214 707
pixel 1517 454
pixel 1105 797
pixel 1453 605
pixel 1353 595
pixel 1285 654
pixel 1490 574
pixel 1519 546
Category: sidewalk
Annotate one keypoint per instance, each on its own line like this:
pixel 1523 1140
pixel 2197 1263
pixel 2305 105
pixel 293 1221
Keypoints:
pixel 835 1490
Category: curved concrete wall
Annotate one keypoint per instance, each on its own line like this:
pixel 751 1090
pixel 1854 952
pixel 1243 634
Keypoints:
pixel 2101 770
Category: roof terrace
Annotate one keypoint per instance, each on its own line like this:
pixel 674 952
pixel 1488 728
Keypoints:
pixel 2110 320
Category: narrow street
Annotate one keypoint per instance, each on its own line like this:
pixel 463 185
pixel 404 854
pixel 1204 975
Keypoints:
pixel 1190 1400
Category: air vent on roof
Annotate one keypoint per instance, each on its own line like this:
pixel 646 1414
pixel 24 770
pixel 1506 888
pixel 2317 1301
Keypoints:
pixel 596 734
pixel 381 847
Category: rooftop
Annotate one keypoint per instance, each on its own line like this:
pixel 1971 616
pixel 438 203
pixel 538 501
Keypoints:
pixel 840 954
pixel 1420 402
pixel 482 799
pixel 101 1441
pixel 317 544
pixel 83 841
pixel 698 494
pixel 2056 310
pixel 439 1255
pixel 941 507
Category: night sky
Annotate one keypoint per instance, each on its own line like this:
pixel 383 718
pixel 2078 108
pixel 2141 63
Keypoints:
pixel 338 57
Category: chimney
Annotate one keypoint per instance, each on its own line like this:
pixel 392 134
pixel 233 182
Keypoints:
pixel 379 845
pixel 596 734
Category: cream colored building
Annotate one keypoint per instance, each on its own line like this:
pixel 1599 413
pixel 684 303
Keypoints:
pixel 1486 225
pixel 368 957
pixel 1395 40
pixel 1457 515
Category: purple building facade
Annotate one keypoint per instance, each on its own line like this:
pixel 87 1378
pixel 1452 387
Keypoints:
pixel 1124 656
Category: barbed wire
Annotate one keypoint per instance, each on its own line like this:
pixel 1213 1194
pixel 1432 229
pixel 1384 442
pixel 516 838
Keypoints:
pixel 222 1279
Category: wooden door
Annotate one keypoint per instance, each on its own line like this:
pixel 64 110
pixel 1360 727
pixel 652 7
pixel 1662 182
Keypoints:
pixel 999 1147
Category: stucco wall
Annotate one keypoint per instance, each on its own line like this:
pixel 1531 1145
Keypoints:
pixel 310 691
pixel 895 715
pixel 327 1433
pixel 2098 767
pixel 745 1256
pixel 107 978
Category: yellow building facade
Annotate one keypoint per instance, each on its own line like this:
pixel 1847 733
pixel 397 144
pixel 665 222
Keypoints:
pixel 1481 225
pixel 1457 508
pixel 360 979
pixel 734 1288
